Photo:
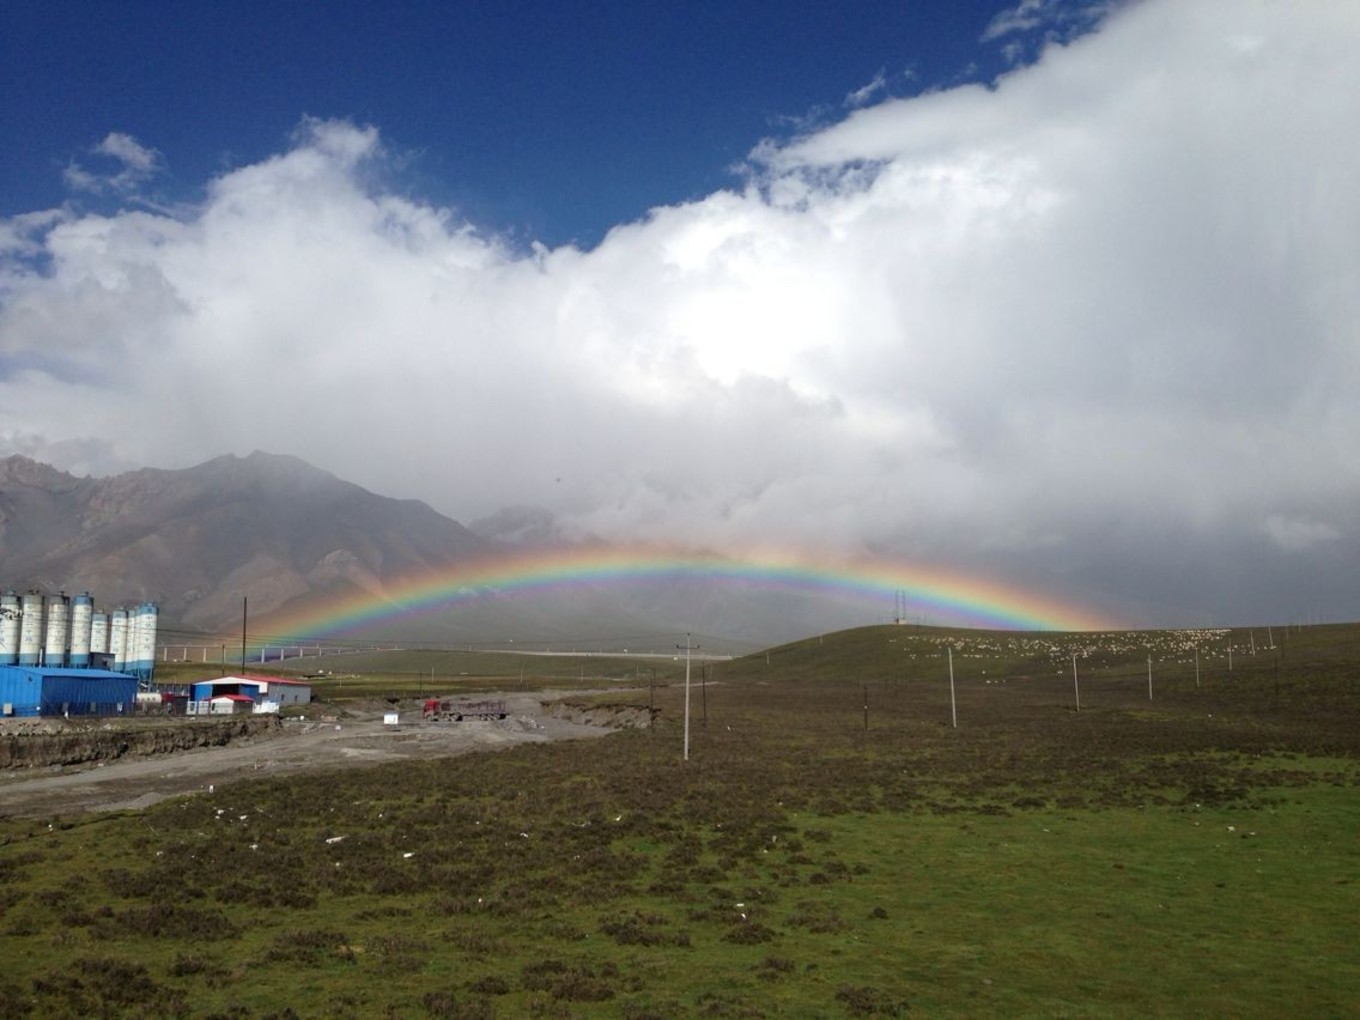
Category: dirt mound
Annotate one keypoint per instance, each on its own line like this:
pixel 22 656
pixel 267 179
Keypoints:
pixel 612 716
pixel 52 743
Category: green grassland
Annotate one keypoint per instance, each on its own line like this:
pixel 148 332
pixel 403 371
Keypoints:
pixel 399 673
pixel 834 847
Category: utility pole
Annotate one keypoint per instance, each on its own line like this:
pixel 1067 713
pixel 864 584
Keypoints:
pixel 688 647
pixel 953 705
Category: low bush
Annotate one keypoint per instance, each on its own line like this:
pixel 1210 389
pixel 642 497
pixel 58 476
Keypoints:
pixel 866 1001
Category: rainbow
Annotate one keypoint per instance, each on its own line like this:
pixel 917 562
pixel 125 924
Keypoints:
pixel 945 596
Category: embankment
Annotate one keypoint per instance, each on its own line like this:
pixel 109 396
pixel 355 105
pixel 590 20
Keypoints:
pixel 594 714
pixel 37 744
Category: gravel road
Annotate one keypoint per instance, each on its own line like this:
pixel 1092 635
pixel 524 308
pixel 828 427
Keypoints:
pixel 360 738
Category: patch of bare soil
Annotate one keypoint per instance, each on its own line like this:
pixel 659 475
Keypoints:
pixel 359 737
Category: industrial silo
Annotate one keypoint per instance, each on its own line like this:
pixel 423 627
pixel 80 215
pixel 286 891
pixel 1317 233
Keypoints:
pixel 132 648
pixel 82 619
pixel 10 612
pixel 142 653
pixel 58 630
pixel 134 622
pixel 31 628
pixel 99 632
pixel 118 633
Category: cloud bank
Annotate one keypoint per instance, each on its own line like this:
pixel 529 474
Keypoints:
pixel 1093 328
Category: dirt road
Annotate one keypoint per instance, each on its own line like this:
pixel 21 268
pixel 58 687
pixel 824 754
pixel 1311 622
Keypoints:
pixel 300 745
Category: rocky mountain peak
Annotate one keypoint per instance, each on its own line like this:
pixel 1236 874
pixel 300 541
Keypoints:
pixel 17 470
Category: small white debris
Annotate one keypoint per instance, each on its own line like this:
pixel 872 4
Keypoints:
pixel 335 839
pixel 408 855
pixel 254 846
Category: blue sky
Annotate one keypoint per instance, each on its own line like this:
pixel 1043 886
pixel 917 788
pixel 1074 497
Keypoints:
pixel 547 121
pixel 1061 294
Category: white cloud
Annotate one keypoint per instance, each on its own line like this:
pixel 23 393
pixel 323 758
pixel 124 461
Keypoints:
pixel 1025 16
pixel 129 152
pixel 21 237
pixel 866 93
pixel 134 166
pixel 1066 327
pixel 1058 17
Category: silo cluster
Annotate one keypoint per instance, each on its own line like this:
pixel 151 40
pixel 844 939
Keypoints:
pixel 57 631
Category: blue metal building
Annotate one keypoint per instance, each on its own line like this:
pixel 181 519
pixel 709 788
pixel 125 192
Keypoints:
pixel 37 691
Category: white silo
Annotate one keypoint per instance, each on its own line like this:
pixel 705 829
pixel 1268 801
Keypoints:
pixel 10 612
pixel 31 628
pixel 118 633
pixel 142 653
pixel 82 619
pixel 99 632
pixel 134 621
pixel 58 630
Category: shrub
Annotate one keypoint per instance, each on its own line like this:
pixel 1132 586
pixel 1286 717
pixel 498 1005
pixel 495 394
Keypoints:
pixel 13 1002
pixel 772 968
pixel 104 986
pixel 869 1001
pixel 817 918
pixel 167 921
pixel 312 946
pixel 447 1006
pixel 538 976
pixel 636 928
pixel 492 984
pixel 570 984
pixel 581 984
pixel 749 933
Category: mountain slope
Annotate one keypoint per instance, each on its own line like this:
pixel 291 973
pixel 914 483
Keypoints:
pixel 197 540
pixel 293 538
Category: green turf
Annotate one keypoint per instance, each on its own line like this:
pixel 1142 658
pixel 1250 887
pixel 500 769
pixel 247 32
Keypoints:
pixel 1190 855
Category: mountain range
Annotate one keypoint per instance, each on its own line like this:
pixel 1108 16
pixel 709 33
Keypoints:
pixel 286 536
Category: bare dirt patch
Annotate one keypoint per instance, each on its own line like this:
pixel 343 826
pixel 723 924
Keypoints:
pixel 356 737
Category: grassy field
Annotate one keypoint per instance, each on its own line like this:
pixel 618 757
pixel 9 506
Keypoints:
pixel 834 847
pixel 408 674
